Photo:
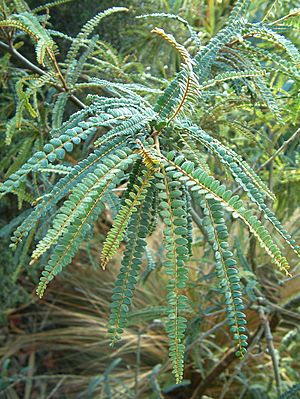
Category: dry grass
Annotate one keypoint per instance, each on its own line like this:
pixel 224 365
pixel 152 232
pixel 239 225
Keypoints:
pixel 59 348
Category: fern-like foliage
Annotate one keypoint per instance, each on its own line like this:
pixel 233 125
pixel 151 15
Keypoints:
pixel 130 266
pixel 226 270
pixel 29 23
pixel 152 143
pixel 173 212
pixel 116 234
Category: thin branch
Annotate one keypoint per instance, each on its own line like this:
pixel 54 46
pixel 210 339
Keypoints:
pixel 228 358
pixel 284 145
pixel 138 365
pixel 292 14
pixel 242 363
pixel 270 345
pixel 283 311
pixel 21 58
pixel 34 68
pixel 205 335
pixel 55 64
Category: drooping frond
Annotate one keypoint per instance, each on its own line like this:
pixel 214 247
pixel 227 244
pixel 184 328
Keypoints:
pixel 68 243
pixel 225 155
pixel 94 185
pixel 130 268
pixel 173 213
pixel 186 197
pixel 66 183
pixel 199 181
pixel 246 178
pixel 30 24
pixel 121 221
pixel 226 270
pixel 264 32
pixel 58 146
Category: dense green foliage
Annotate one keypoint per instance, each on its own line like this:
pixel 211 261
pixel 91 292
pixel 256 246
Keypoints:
pixel 168 142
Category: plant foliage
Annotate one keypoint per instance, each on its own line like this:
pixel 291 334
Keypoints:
pixel 156 146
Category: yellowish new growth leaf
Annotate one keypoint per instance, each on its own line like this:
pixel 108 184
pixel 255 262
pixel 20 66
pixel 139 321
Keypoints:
pixel 116 233
pixel 148 159
pixel 171 40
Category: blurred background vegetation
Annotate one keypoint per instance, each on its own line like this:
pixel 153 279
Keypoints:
pixel 57 347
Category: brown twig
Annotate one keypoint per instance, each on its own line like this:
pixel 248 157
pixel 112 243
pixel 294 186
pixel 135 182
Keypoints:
pixel 241 364
pixel 60 75
pixel 269 340
pixel 205 335
pixel 34 68
pixel 223 364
